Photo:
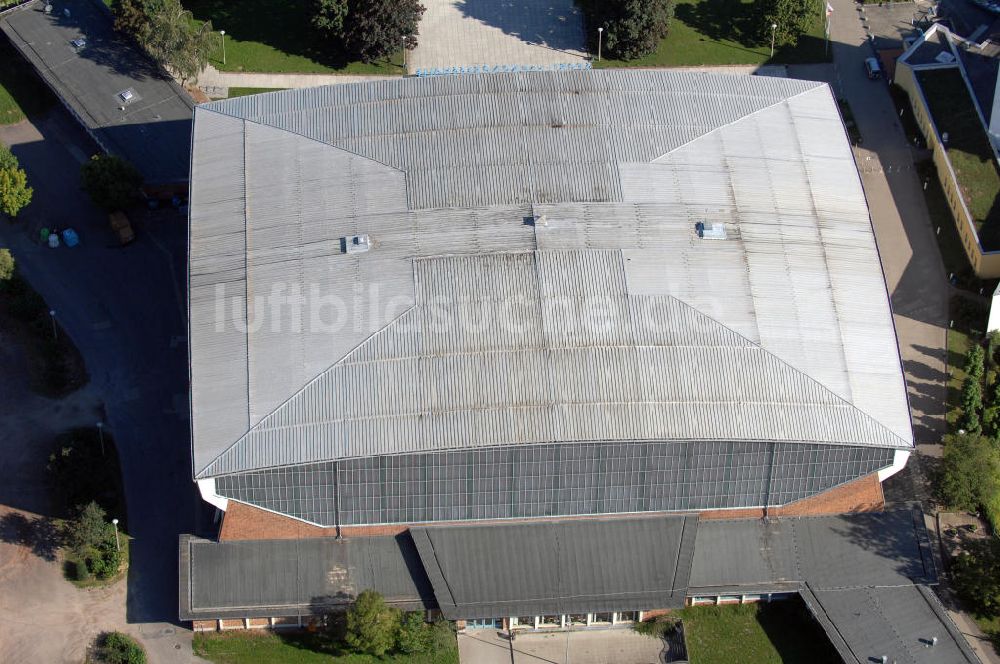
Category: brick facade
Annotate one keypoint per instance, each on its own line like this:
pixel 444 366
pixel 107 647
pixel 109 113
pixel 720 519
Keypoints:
pixel 244 522
pixel 862 495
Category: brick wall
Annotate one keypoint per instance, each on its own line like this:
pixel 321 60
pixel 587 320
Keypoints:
pixel 244 522
pixel 861 495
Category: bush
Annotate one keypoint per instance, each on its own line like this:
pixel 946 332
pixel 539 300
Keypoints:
pixel 6 265
pixel 372 627
pixel 658 627
pixel 118 648
pixel 413 635
pixel 112 183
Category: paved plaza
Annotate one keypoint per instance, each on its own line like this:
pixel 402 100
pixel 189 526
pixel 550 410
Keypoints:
pixel 498 32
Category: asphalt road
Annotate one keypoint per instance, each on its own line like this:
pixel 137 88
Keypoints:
pixel 124 309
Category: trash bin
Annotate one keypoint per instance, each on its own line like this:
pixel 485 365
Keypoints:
pixel 44 234
pixel 53 240
pixel 70 238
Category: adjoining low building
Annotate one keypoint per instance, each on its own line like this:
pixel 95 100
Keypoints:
pixel 952 85
pixel 121 98
pixel 864 577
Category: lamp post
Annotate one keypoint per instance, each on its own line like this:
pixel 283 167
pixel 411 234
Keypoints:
pixel 100 433
pixel 600 34
pixel 223 33
pixel 118 547
pixel 404 55
pixel 52 316
pixel 774 26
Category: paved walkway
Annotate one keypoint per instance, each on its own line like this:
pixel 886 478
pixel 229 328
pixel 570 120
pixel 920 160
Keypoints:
pixel 132 339
pixel 213 81
pixel 621 646
pixel 498 32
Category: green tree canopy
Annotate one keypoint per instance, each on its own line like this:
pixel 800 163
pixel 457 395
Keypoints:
pixel 976 574
pixel 634 28
pixel 330 15
pixel 15 194
pixel 414 635
pixel 792 18
pixel 7 158
pixel 88 529
pixel 372 626
pixel 376 28
pixel 167 32
pixel 111 182
pixel 118 648
pixel 970 474
pixel 6 264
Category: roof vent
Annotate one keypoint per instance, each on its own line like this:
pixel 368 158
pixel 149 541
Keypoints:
pixel 713 231
pixel 356 244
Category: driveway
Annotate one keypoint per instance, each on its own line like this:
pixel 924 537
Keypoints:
pixel 498 32
pixel 610 646
pixel 124 309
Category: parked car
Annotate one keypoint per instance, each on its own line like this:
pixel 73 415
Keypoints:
pixel 121 226
pixel 873 69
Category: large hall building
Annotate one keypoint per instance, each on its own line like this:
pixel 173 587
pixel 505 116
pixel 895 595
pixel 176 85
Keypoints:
pixel 547 321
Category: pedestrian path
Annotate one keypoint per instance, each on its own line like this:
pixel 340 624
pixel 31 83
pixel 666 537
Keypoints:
pixel 216 83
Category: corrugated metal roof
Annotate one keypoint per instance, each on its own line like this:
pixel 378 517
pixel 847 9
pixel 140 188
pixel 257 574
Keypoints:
pixel 905 624
pixel 834 552
pixel 559 567
pixel 796 288
pixel 298 577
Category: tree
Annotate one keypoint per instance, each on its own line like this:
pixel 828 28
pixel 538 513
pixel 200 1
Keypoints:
pixel 110 181
pixel 15 194
pixel 976 574
pixel 413 635
pixel 166 31
pixel 974 362
pixel 376 28
pixel 634 28
pixel 791 16
pixel 972 403
pixel 371 625
pixel 6 265
pixel 970 474
pixel 329 17
pixel 88 529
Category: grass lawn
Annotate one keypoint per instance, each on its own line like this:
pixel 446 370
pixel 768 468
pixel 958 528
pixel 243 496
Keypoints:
pixel 21 92
pixel 958 345
pixel 777 633
pixel 722 32
pixel 243 92
pixel 276 36
pixel 968 149
pixel 296 648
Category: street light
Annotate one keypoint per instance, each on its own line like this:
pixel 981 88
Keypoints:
pixel 404 55
pixel 118 547
pixel 100 433
pixel 52 315
pixel 223 33
pixel 600 34
pixel 774 26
